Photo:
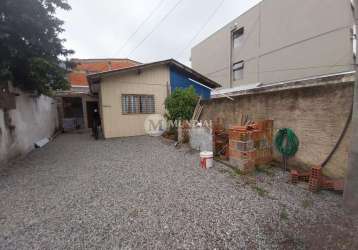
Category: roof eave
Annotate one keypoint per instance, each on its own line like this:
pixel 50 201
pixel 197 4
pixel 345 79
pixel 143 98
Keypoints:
pixel 210 83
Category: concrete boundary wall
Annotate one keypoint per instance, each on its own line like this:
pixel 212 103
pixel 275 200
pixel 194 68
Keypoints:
pixel 317 114
pixel 33 119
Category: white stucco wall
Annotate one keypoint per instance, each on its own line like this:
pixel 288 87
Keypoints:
pixel 34 119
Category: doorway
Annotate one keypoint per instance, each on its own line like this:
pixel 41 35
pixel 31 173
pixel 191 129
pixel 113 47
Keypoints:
pixel 72 113
pixel 91 106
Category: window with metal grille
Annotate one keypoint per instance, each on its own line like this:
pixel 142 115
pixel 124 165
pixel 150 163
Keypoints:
pixel 237 38
pixel 138 104
pixel 238 70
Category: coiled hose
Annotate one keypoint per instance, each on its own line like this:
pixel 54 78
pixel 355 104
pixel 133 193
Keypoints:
pixel 286 142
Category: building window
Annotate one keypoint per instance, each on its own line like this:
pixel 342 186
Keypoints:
pixel 138 104
pixel 237 38
pixel 238 70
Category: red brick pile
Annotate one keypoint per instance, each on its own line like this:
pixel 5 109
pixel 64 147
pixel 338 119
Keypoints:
pixel 316 180
pixel 250 145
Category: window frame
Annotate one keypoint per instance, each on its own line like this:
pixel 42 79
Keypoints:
pixel 237 34
pixel 234 69
pixel 139 108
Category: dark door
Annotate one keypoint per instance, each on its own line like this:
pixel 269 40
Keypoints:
pixel 91 106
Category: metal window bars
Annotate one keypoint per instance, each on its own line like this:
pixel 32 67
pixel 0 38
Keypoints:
pixel 138 104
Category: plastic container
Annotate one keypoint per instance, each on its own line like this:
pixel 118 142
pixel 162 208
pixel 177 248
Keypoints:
pixel 206 159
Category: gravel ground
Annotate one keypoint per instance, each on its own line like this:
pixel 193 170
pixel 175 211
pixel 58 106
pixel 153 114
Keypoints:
pixel 142 193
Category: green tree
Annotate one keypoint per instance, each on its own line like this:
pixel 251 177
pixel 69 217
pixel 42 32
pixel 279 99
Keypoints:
pixel 181 103
pixel 30 47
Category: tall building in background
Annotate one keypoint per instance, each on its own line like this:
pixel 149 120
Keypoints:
pixel 279 41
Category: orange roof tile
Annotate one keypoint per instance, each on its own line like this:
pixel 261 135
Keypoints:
pixel 78 76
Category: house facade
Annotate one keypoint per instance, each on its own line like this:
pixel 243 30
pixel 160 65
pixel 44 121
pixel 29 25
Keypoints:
pixel 77 104
pixel 279 41
pixel 128 96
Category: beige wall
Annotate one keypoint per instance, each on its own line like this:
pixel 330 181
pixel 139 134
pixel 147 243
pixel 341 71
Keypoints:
pixel 153 81
pixel 283 40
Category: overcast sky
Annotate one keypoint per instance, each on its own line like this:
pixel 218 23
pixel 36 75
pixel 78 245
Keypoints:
pixel 101 28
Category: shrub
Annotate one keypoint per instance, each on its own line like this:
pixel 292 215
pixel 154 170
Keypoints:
pixel 181 103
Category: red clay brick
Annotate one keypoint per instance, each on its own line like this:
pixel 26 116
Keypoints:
pixel 315 179
pixel 241 145
pixel 251 155
pixel 294 176
pixel 313 185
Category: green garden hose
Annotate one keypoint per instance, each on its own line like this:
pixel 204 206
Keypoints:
pixel 286 142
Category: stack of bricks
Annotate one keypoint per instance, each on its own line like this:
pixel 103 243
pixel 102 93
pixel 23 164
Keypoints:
pixel 315 179
pixel 294 176
pixel 251 145
pixel 297 176
pixel 329 184
pixel 242 153
pixel 326 184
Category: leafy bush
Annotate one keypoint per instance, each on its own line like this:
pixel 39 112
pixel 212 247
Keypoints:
pixel 180 104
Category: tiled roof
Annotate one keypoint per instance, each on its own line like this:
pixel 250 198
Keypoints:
pixel 171 62
pixel 78 76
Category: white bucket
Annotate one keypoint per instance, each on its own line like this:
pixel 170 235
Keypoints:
pixel 206 159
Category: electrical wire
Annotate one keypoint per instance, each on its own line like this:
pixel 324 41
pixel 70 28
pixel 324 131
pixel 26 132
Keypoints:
pixel 155 27
pixel 139 27
pixel 201 28
pixel 246 38
pixel 288 69
pixel 305 40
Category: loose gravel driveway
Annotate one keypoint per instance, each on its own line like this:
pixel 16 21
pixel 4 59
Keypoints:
pixel 143 193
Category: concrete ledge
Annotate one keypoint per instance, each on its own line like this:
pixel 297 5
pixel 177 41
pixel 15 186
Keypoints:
pixel 342 78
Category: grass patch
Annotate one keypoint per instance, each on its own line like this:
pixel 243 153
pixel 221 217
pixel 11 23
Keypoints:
pixel 233 170
pixel 224 170
pixel 260 191
pixel 237 172
pixel 307 203
pixel 266 169
pixel 284 214
pixel 134 213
